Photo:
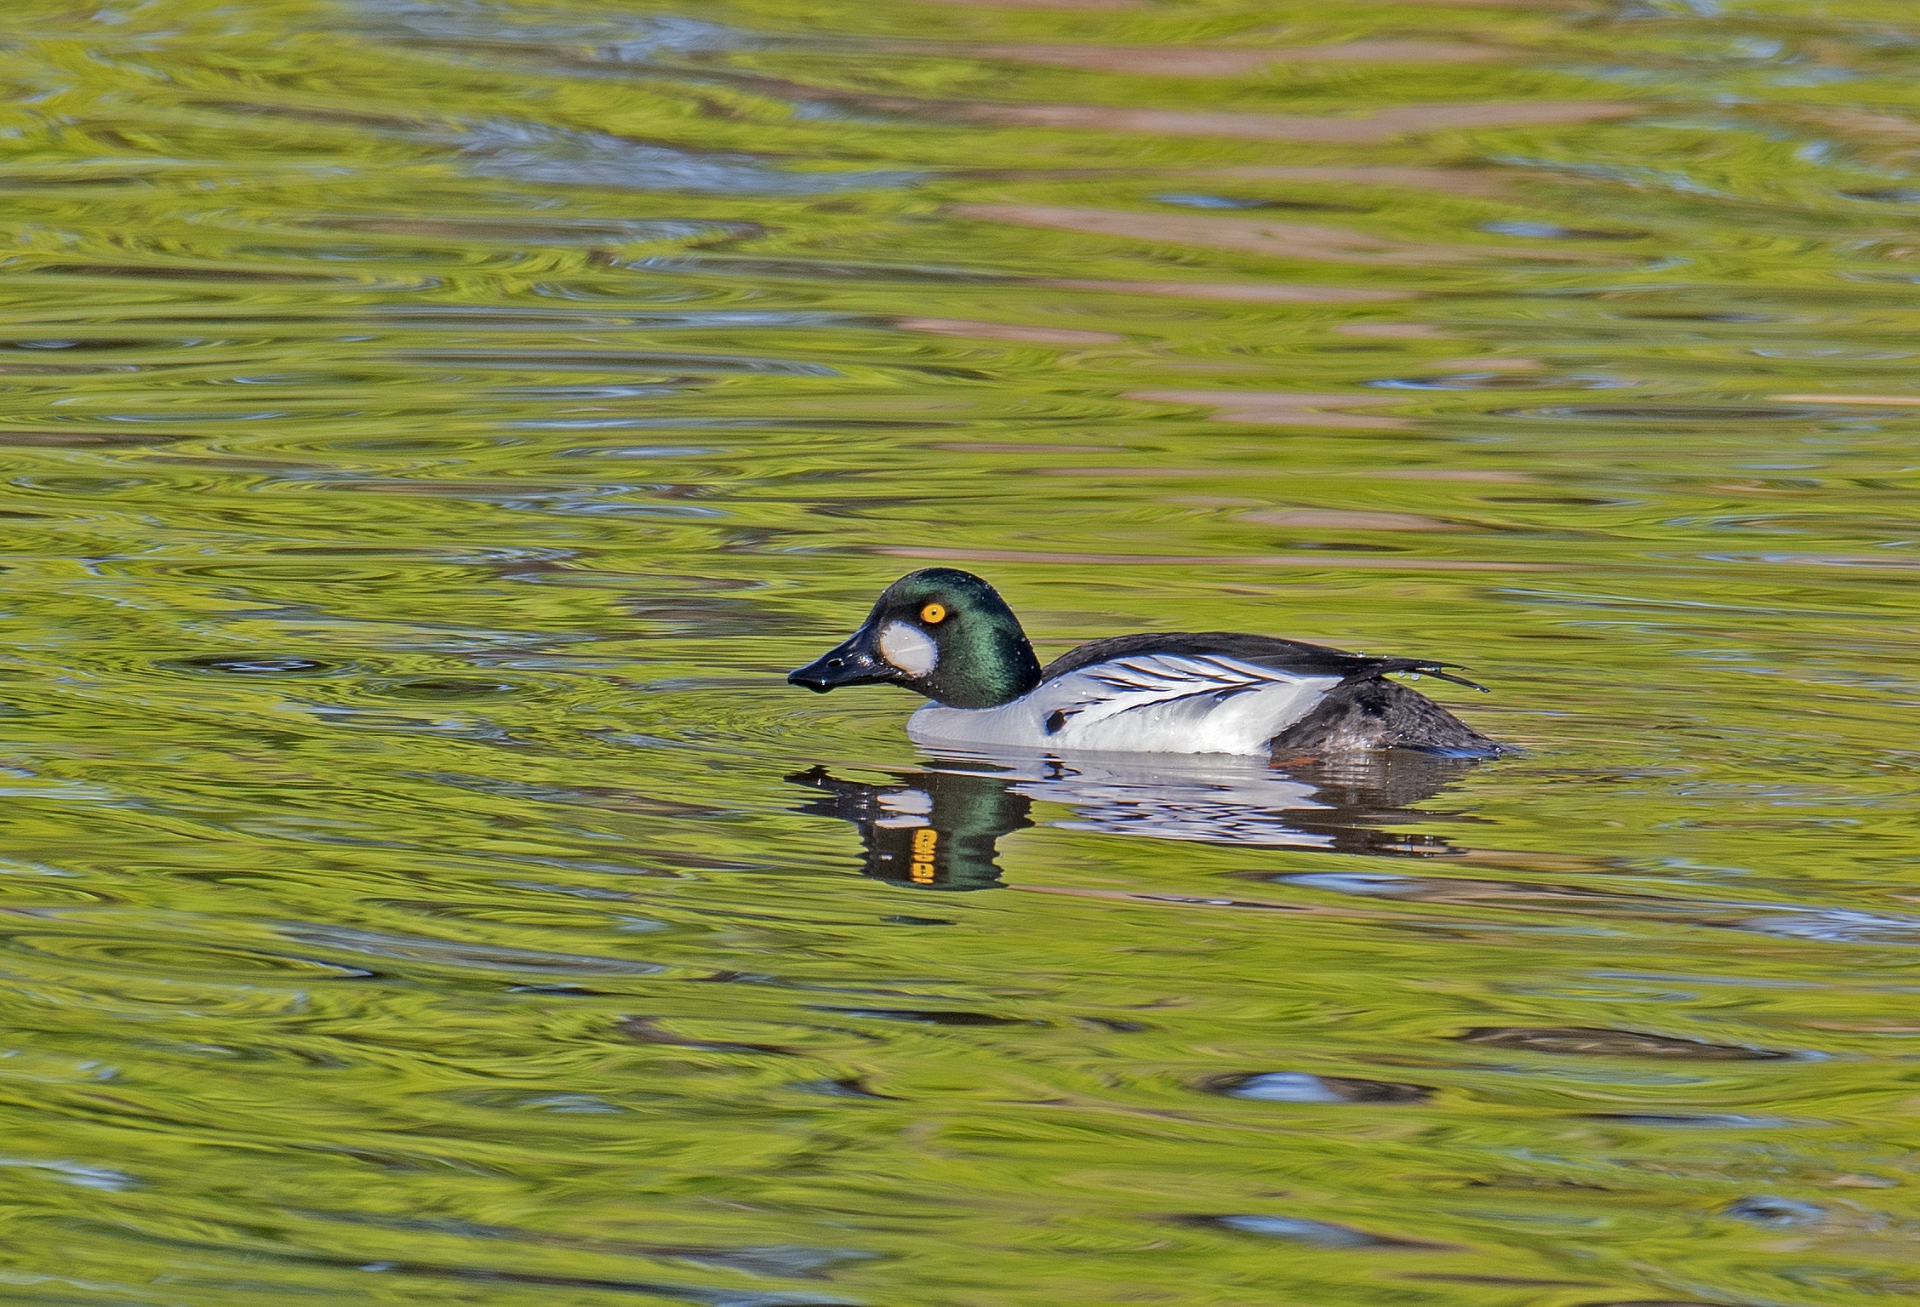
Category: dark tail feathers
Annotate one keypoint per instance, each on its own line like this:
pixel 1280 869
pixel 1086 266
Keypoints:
pixel 1422 667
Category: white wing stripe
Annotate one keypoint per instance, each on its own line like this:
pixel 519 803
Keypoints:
pixel 1151 679
pixel 1183 675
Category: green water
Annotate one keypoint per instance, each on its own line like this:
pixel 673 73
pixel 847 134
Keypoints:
pixel 432 429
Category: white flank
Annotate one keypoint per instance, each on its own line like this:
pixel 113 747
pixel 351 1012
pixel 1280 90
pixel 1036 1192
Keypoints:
pixel 1146 703
pixel 909 648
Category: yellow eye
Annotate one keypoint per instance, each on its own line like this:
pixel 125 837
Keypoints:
pixel 933 614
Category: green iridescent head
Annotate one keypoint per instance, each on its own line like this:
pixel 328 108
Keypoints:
pixel 940 632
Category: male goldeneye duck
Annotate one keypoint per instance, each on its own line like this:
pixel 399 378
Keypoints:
pixel 948 635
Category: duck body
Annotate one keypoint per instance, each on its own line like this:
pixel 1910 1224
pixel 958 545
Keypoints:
pixel 948 635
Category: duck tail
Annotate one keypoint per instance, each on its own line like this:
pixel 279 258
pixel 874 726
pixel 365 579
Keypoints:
pixel 1439 670
pixel 1422 667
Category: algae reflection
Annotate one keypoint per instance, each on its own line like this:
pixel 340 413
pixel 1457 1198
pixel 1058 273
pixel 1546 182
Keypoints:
pixel 432 423
pixel 939 828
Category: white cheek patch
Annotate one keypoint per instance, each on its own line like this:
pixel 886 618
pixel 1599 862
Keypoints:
pixel 909 648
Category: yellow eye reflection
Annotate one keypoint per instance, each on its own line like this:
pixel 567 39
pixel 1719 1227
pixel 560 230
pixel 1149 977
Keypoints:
pixel 934 614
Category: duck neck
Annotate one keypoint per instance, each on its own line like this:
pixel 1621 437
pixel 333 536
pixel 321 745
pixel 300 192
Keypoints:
pixel 985 667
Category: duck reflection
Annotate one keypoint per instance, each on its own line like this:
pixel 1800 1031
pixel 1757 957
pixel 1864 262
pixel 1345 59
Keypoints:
pixel 939 828
pixel 934 829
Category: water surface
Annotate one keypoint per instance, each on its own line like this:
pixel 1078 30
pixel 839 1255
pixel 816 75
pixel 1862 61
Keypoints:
pixel 432 428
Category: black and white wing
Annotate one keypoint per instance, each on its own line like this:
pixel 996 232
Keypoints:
pixel 1161 680
pixel 1175 703
pixel 1293 657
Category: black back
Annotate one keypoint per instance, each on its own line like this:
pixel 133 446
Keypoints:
pixel 1262 650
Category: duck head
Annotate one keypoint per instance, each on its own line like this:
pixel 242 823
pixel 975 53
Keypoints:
pixel 939 632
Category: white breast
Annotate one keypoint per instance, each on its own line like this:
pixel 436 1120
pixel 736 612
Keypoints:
pixel 1144 703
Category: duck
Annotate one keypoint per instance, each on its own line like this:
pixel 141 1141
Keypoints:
pixel 947 635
